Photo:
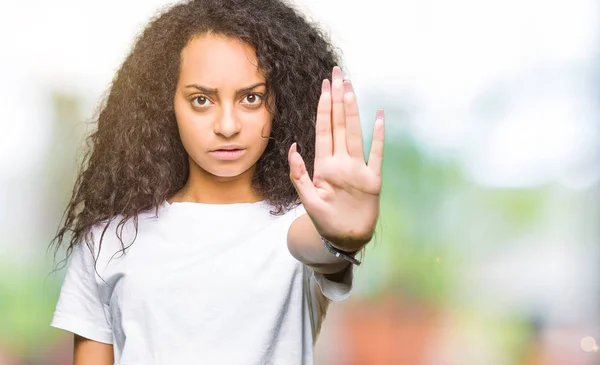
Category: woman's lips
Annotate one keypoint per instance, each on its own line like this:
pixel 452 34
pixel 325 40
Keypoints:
pixel 230 154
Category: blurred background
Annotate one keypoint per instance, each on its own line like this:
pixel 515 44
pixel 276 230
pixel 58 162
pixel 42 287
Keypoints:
pixel 487 252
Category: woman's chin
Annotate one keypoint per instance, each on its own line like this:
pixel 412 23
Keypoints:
pixel 228 172
pixel 220 169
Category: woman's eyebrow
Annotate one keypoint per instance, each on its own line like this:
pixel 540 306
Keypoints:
pixel 211 91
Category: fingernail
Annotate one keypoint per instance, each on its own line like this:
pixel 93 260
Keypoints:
pixel 337 73
pixel 294 148
pixel 325 87
pixel 379 114
pixel 348 87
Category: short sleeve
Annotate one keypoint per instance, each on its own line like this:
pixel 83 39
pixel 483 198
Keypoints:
pixel 333 290
pixel 80 309
pixel 316 284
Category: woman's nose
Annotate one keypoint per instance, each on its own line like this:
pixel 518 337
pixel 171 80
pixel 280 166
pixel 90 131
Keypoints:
pixel 227 124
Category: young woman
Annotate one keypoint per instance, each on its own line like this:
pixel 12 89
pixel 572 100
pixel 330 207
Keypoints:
pixel 224 196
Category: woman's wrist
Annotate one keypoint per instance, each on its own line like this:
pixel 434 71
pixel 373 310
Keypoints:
pixel 349 246
pixel 341 253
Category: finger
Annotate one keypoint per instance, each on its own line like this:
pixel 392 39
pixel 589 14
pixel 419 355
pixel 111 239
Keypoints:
pixel 339 120
pixel 376 154
pixel 299 176
pixel 323 140
pixel 353 129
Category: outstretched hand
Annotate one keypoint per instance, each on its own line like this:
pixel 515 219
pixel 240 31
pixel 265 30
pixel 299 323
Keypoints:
pixel 342 199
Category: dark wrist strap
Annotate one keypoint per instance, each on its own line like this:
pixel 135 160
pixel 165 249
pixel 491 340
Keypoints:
pixel 339 253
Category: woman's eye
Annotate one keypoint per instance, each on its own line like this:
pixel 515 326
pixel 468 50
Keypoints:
pixel 252 99
pixel 200 101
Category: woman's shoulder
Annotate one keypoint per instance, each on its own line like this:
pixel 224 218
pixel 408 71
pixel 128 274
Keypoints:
pixel 110 232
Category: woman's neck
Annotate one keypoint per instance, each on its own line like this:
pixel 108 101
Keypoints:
pixel 204 187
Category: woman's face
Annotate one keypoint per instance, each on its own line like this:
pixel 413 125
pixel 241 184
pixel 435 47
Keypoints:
pixel 220 108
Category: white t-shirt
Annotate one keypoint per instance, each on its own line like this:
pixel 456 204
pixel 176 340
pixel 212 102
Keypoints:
pixel 201 284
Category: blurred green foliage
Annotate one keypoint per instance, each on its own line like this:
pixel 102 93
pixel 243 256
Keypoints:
pixel 432 217
pixel 28 295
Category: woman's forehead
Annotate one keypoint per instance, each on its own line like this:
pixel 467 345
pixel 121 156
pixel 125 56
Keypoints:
pixel 217 60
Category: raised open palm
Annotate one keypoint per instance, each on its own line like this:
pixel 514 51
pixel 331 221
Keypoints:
pixel 342 199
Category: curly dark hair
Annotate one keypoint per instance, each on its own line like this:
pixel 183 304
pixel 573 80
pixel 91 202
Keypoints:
pixel 135 158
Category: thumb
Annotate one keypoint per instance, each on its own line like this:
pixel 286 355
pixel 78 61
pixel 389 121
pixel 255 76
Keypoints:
pixel 299 176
